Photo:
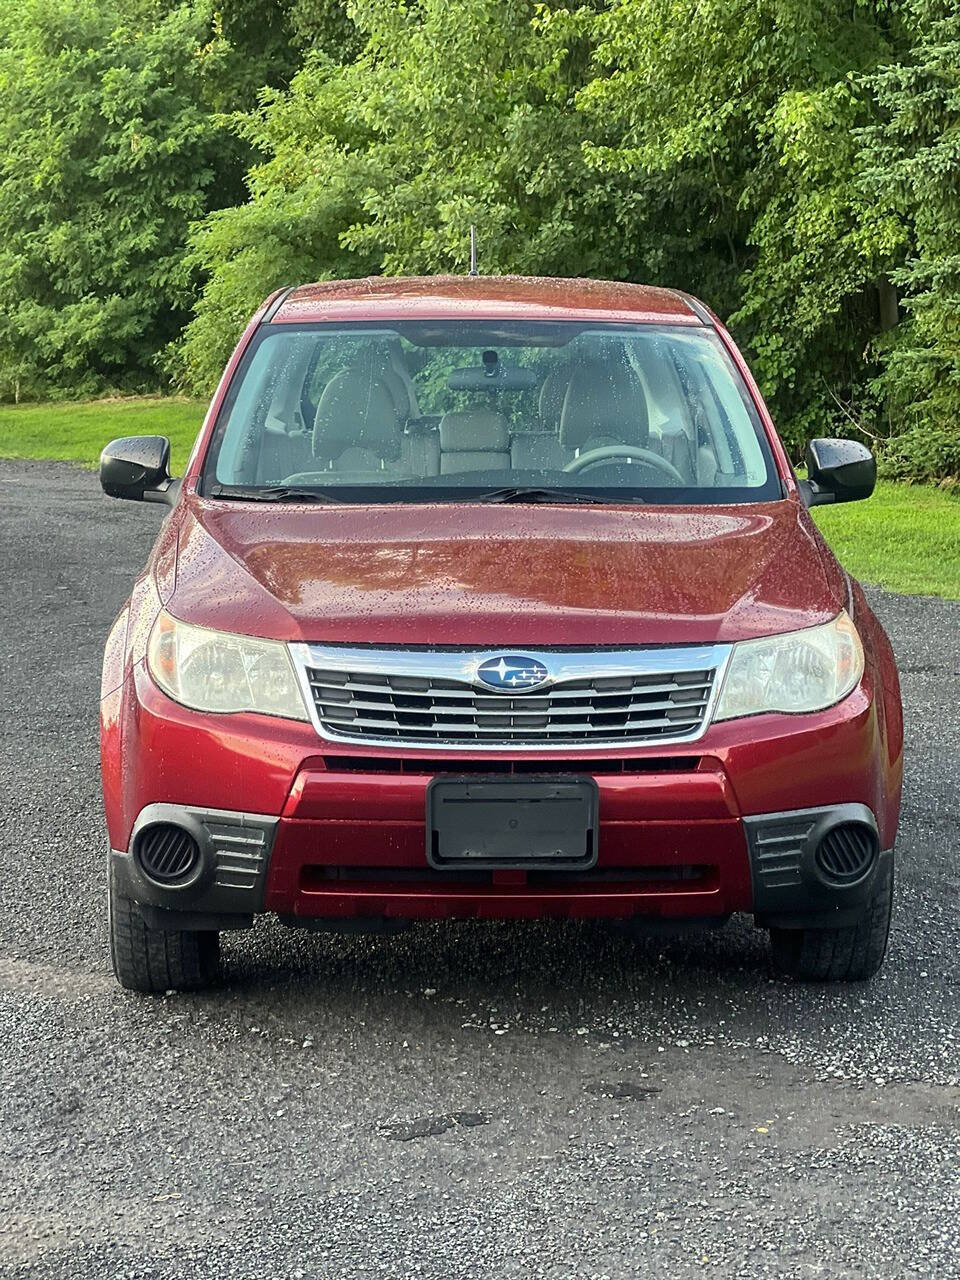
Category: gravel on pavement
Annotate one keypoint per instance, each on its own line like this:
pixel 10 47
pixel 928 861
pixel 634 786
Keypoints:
pixel 464 1100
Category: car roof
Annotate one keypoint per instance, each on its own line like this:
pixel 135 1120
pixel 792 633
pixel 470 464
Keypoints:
pixel 484 297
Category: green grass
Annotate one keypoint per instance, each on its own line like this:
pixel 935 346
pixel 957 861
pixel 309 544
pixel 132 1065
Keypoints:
pixel 77 432
pixel 904 538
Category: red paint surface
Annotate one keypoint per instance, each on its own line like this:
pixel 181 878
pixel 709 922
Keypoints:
pixel 484 297
pixel 434 574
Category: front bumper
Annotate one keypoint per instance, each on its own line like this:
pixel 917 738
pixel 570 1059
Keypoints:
pixel 250 863
pixel 343 835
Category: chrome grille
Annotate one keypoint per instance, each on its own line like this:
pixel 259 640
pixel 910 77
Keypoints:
pixel 626 698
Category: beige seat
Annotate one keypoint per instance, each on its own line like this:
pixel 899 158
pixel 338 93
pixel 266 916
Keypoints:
pixel 552 392
pixel 356 427
pixel 390 366
pixel 585 406
pixel 541 450
pixel 604 404
pixel 357 432
pixel 474 440
pixel 607 405
pixel 677 448
pixel 363 408
pixel 697 466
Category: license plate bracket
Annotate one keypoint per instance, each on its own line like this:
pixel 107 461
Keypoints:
pixel 512 823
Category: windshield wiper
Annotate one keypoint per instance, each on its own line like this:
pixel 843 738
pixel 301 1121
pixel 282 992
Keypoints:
pixel 516 493
pixel 273 493
pixel 519 494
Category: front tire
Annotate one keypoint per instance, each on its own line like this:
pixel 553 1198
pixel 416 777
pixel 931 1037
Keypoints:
pixel 158 960
pixel 851 953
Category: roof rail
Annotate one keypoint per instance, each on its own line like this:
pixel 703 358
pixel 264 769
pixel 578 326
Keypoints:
pixel 277 303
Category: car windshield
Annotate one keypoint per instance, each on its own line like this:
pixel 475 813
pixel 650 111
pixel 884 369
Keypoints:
pixel 489 411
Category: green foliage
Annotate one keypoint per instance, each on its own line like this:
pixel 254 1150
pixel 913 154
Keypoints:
pixel 453 114
pixel 913 165
pixel 792 163
pixel 289 231
pixel 322 25
pixel 928 451
pixel 749 111
pixel 270 37
pixel 717 147
pixel 110 147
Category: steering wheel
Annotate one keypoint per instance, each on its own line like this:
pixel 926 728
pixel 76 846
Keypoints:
pixel 594 456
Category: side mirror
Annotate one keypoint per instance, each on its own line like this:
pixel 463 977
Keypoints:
pixel 138 467
pixel 838 471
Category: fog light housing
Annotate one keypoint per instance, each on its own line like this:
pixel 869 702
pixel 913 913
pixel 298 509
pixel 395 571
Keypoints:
pixel 167 854
pixel 846 853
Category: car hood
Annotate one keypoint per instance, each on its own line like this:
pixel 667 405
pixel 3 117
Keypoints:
pixel 531 576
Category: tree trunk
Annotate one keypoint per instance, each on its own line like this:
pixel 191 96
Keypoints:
pixel 888 305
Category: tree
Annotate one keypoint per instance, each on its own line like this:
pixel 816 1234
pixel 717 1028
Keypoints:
pixel 710 146
pixel 913 167
pixel 747 114
pixel 454 113
pixel 110 146
pixel 324 26
pixel 794 164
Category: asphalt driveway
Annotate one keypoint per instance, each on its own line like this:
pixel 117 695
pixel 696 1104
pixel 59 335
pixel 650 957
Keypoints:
pixel 472 1100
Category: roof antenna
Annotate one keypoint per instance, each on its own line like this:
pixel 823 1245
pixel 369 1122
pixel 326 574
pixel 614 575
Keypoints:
pixel 473 250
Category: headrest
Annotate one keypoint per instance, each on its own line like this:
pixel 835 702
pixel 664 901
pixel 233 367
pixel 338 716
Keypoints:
pixel 398 392
pixel 604 399
pixel 552 392
pixel 356 409
pixel 471 430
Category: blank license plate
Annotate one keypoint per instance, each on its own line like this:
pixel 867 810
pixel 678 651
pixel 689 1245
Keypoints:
pixel 512 822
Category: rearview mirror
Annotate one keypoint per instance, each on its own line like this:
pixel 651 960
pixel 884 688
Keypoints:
pixel 138 467
pixel 838 471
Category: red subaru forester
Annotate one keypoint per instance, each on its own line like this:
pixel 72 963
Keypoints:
pixel 494 598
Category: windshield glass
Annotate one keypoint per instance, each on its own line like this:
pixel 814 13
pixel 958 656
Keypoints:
pixel 445 411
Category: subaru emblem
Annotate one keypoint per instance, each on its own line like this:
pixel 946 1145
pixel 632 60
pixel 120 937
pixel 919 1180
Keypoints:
pixel 512 671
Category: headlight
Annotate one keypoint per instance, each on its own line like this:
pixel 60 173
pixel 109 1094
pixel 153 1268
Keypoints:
pixel 800 671
pixel 216 671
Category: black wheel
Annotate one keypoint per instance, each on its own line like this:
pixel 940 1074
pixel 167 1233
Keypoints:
pixel 157 960
pixel 848 954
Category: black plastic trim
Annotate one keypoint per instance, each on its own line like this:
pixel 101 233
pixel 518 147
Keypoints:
pixel 697 307
pixel 790 889
pixel 182 853
pixel 137 468
pixel 191 921
pixel 213 889
pixel 427 765
pixel 838 914
pixel 277 303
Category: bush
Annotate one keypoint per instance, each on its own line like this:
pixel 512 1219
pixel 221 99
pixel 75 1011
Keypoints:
pixel 110 147
pixel 911 167
pixel 712 147
pixel 924 453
